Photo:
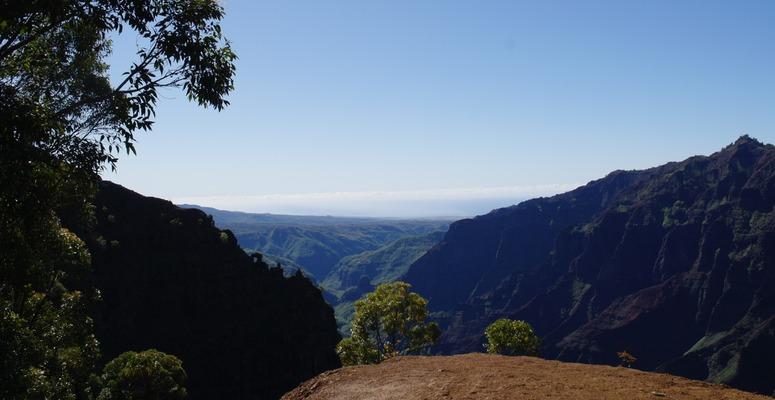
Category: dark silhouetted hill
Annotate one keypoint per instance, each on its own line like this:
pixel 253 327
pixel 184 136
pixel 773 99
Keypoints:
pixel 172 281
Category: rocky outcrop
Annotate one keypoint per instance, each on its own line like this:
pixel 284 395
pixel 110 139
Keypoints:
pixel 172 281
pixel 674 264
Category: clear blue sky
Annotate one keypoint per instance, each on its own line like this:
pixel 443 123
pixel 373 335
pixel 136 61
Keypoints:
pixel 454 107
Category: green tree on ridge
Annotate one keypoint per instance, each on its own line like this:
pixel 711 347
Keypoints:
pixel 389 321
pixel 511 337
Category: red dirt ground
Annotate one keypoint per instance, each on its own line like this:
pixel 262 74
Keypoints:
pixel 483 376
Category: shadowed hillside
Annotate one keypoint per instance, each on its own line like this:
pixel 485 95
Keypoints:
pixel 675 264
pixel 171 280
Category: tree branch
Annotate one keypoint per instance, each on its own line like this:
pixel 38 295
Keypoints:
pixel 148 57
pixel 7 49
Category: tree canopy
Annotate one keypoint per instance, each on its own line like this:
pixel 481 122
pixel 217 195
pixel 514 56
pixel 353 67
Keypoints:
pixel 511 337
pixel 150 374
pixel 52 59
pixel 389 321
pixel 62 121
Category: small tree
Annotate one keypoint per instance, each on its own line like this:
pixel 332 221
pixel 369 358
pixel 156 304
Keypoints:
pixel 150 374
pixel 389 321
pixel 626 359
pixel 510 337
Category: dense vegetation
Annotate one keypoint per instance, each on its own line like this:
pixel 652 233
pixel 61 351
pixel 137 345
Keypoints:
pixel 389 321
pixel 354 276
pixel 61 122
pixel 675 264
pixel 146 375
pixel 510 337
pixel 316 243
pixel 384 264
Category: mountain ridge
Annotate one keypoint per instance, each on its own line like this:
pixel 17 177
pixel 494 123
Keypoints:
pixel 601 268
pixel 345 256
pixel 316 243
pixel 172 281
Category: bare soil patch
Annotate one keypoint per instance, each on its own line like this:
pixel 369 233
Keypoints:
pixel 484 376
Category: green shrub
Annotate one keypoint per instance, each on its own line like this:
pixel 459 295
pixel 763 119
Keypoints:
pixel 510 337
pixel 150 374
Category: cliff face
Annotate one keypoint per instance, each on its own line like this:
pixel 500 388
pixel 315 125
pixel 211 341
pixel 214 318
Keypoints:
pixel 674 264
pixel 172 281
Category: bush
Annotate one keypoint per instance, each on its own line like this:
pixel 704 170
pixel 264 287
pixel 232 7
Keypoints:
pixel 150 374
pixel 510 337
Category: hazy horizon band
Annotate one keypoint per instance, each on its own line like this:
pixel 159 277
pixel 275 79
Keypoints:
pixel 459 202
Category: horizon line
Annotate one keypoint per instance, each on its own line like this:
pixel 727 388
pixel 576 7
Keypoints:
pixel 422 203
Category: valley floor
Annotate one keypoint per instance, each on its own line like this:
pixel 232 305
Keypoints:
pixel 483 376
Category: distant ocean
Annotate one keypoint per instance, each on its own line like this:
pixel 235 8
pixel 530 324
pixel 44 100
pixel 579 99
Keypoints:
pixel 412 204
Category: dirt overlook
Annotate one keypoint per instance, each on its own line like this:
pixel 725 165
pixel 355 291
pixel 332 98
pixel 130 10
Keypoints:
pixel 483 376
